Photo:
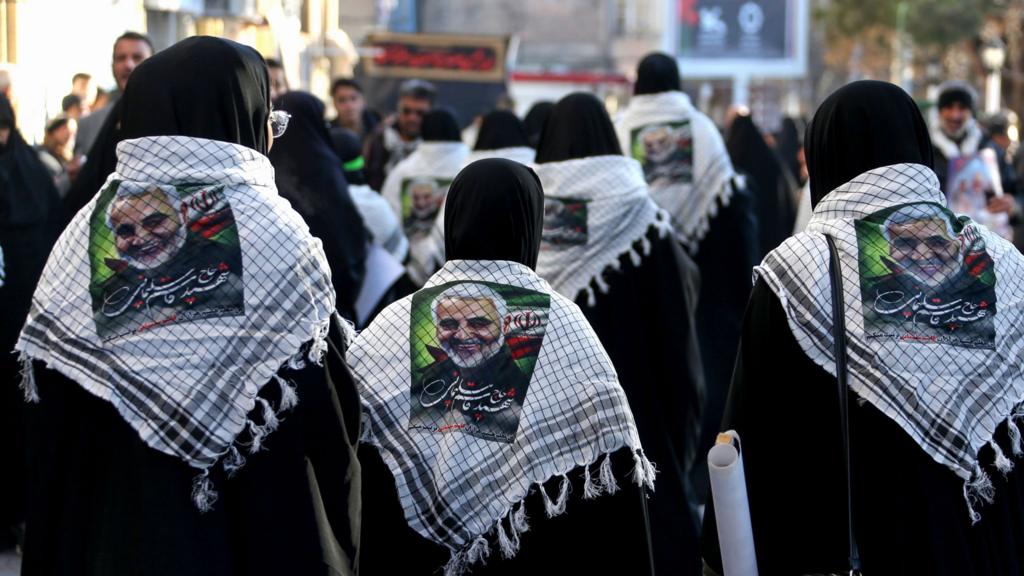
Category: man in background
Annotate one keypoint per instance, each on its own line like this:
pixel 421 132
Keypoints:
pixel 398 137
pixel 83 86
pixel 350 108
pixel 278 79
pixel 130 49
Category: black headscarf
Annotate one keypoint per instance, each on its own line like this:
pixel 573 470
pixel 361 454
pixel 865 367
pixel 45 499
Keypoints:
pixel 494 211
pixel 349 148
pixel 787 144
pixel 535 120
pixel 767 179
pixel 29 194
pixel 309 176
pixel 30 221
pixel 501 129
pixel 657 72
pixel 202 87
pixel 440 125
pixel 579 127
pixel 863 125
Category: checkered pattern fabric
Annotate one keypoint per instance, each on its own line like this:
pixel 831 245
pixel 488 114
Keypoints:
pixel 693 203
pixel 618 214
pixel 178 293
pixel 522 154
pixel 460 485
pixel 934 314
pixel 436 161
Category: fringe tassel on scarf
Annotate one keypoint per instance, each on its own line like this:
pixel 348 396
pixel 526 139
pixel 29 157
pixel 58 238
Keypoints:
pixel 508 529
pixel 28 379
pixel 203 493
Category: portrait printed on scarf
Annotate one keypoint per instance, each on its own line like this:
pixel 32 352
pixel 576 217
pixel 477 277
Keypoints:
pixel 565 223
pixel 473 347
pixel 925 276
pixel 422 198
pixel 665 150
pixel 162 255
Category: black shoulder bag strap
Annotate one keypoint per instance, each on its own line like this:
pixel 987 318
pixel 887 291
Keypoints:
pixel 839 340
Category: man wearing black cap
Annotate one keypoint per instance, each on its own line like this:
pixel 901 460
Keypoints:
pixel 958 133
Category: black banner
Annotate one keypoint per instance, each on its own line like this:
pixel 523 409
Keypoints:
pixel 438 57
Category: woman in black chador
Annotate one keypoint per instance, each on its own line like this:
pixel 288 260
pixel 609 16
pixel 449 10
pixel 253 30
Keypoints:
pixel 30 220
pixel 610 248
pixel 218 436
pixel 933 391
pixel 309 176
pixel 498 439
pixel 774 189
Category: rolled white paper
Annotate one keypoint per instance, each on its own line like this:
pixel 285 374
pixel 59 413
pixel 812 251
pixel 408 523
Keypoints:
pixel 732 511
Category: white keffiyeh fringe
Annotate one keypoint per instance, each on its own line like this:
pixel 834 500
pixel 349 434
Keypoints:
pixel 510 526
pixel 620 213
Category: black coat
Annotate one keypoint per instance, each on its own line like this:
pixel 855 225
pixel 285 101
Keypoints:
pixel 30 221
pixel 648 324
pixel 726 258
pixel 102 502
pixel 606 535
pixel 909 511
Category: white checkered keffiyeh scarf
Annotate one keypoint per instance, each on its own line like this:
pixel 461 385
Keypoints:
pixel 695 176
pixel 467 444
pixel 934 314
pixel 595 210
pixel 522 154
pixel 182 334
pixel 416 189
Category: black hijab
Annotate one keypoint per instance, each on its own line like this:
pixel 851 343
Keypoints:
pixel 863 125
pixel 440 125
pixel 535 120
pixel 657 72
pixel 494 211
pixel 579 127
pixel 202 87
pixel 768 180
pixel 501 129
pixel 29 194
pixel 310 177
pixel 787 144
pixel 349 148
pixel 30 221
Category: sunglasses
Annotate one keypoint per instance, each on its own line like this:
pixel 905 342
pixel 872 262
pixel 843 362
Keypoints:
pixel 279 122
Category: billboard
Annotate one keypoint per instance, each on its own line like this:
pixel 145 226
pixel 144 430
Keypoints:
pixel 717 38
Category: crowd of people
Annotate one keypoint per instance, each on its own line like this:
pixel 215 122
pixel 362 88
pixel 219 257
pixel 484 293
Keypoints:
pixel 254 340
